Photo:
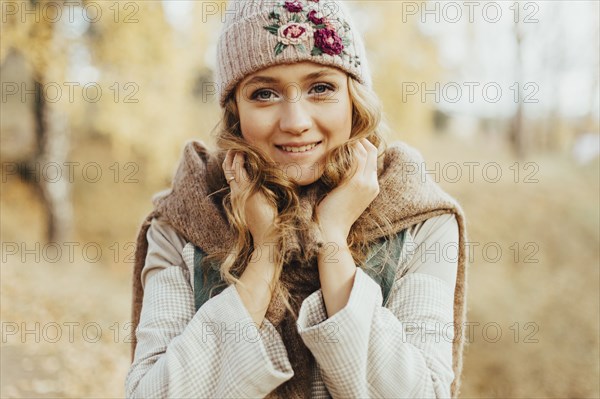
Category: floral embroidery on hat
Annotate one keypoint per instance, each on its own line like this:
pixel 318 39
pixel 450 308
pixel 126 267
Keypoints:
pixel 294 33
pixel 315 17
pixel 299 23
pixel 328 41
pixel 293 6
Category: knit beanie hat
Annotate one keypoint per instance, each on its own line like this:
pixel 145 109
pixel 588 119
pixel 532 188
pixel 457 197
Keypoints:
pixel 261 33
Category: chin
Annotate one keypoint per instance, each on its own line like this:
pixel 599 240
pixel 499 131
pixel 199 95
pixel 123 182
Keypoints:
pixel 303 175
pixel 305 182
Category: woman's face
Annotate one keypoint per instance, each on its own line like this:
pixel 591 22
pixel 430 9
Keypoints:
pixel 296 105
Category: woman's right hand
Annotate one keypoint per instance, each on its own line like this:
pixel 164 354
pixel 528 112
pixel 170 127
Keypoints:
pixel 260 213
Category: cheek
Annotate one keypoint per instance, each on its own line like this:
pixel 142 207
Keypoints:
pixel 340 121
pixel 255 130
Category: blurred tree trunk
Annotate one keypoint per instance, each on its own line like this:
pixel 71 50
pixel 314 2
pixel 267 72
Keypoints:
pixel 591 118
pixel 52 133
pixel 554 65
pixel 41 170
pixel 516 132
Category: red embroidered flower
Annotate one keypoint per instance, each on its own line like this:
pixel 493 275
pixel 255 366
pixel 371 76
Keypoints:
pixel 293 6
pixel 328 41
pixel 312 17
pixel 294 33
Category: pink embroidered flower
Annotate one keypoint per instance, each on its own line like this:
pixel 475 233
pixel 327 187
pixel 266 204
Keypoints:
pixel 328 41
pixel 293 6
pixel 315 1
pixel 294 33
pixel 316 17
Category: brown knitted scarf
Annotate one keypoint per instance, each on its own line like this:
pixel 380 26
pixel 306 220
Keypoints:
pixel 407 196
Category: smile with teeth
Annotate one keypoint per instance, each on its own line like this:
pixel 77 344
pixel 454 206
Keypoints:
pixel 299 149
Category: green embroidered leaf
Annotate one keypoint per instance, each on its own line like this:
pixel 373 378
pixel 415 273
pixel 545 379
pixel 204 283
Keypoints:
pixel 301 47
pixel 345 42
pixel 321 26
pixel 279 47
pixel 274 15
pixel 316 51
pixel 296 18
pixel 272 28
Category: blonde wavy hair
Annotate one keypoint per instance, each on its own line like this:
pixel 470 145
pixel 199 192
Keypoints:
pixel 367 122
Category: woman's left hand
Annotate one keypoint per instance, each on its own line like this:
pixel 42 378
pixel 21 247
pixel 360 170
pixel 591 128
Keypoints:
pixel 345 203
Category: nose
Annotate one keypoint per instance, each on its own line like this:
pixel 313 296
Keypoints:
pixel 295 118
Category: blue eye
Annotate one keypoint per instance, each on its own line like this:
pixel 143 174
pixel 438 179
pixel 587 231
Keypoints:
pixel 323 86
pixel 259 95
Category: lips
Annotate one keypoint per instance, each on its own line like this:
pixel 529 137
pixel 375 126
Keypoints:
pixel 298 149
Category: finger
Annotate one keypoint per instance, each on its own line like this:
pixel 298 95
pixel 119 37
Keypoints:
pixel 360 156
pixel 363 154
pixel 360 153
pixel 227 162
pixel 368 145
pixel 241 177
pixel 229 169
pixel 360 148
pixel 371 163
pixel 234 177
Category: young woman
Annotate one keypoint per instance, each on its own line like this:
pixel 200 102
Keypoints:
pixel 303 258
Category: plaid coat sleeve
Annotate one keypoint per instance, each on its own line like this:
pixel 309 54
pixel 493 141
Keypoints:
pixel 216 352
pixel 401 350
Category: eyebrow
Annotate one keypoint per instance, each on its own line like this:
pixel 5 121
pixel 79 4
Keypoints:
pixel 267 79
